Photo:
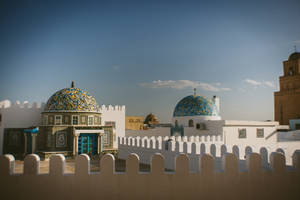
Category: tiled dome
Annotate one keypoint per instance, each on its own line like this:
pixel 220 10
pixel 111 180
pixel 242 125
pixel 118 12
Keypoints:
pixel 72 100
pixel 195 105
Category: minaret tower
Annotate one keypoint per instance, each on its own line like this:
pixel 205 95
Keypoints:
pixel 287 99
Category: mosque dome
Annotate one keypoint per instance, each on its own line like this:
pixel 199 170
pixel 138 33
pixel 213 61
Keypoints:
pixel 294 56
pixel 195 105
pixel 71 100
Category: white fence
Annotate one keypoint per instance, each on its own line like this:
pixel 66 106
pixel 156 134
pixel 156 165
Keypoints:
pixel 170 147
pixel 157 184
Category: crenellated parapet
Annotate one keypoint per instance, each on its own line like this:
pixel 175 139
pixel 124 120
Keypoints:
pixel 280 182
pixel 120 108
pixel 172 146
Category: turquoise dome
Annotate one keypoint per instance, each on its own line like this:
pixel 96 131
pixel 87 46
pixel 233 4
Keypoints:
pixel 72 100
pixel 195 105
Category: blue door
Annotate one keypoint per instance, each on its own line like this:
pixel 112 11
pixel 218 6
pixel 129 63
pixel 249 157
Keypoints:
pixel 88 143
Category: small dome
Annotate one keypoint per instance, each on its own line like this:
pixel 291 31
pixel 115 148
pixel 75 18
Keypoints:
pixel 195 105
pixel 294 56
pixel 72 100
pixel 151 119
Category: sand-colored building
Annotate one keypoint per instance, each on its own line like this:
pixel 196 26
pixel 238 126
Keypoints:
pixel 134 123
pixel 287 99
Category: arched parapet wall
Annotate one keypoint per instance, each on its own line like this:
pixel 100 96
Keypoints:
pixel 190 178
pixel 213 150
pixel 236 151
pixel 216 149
pixel 57 163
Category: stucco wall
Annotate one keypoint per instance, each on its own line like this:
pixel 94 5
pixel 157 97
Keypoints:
pixel 195 146
pixel 230 183
pixel 157 131
pixel 19 115
pixel 197 119
pixel 115 114
pixel 134 123
pixel 231 136
pixel 288 135
pixel 213 127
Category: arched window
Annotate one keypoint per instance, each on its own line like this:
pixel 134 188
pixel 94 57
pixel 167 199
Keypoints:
pixel 191 123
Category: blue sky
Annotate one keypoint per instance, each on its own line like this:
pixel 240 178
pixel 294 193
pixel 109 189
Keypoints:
pixel 148 55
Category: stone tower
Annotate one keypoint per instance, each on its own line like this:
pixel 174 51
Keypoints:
pixel 287 99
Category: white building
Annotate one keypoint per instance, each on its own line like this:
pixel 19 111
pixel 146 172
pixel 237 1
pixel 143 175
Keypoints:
pixel 196 115
pixel 15 118
pixel 18 115
pixel 198 128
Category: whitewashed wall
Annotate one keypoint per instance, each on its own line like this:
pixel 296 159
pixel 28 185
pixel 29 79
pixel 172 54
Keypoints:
pixel 157 131
pixel 197 119
pixel 19 115
pixel 115 114
pixel 230 184
pixel 229 130
pixel 214 127
pixel 196 146
pixel 288 135
pixel 231 136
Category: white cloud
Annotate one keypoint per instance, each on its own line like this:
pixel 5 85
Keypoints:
pixel 260 83
pixel 182 84
pixel 269 83
pixel 252 82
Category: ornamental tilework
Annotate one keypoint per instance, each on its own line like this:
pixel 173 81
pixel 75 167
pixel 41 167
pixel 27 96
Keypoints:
pixel 72 99
pixel 195 105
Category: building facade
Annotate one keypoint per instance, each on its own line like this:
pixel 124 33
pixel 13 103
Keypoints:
pixel 286 100
pixel 15 119
pixel 134 123
pixel 70 123
pixel 196 115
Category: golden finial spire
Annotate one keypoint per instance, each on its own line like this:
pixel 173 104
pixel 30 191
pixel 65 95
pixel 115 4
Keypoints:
pixel 295 48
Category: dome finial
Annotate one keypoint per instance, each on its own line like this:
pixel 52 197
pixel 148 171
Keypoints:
pixel 295 47
pixel 194 91
pixel 72 85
